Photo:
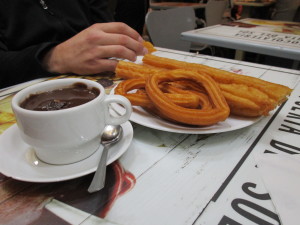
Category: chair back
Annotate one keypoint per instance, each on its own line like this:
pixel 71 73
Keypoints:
pixel 165 27
pixel 214 11
pixel 285 10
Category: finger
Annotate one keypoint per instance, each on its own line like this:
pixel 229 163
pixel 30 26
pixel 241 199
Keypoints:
pixel 106 65
pixel 121 40
pixel 117 34
pixel 119 28
pixel 116 51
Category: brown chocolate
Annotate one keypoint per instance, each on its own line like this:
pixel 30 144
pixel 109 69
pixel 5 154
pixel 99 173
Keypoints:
pixel 58 99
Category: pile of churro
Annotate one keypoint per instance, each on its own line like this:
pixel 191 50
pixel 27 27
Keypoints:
pixel 195 94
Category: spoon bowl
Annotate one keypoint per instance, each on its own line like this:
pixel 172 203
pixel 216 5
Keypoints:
pixel 111 135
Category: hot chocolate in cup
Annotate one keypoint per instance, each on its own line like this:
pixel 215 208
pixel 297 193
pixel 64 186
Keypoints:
pixel 66 127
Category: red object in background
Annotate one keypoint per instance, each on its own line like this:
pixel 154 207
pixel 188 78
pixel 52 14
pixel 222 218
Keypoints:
pixel 236 12
pixel 124 181
pixel 22 197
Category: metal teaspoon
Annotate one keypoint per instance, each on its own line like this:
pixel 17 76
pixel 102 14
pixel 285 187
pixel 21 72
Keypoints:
pixel 111 135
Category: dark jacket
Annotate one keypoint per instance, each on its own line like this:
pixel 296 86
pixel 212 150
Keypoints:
pixel 28 28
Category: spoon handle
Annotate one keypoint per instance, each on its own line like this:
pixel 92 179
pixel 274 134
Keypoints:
pixel 99 177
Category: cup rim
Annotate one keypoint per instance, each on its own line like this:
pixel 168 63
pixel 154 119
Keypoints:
pixel 38 88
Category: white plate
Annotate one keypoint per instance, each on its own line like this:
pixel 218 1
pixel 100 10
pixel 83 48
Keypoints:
pixel 142 117
pixel 17 159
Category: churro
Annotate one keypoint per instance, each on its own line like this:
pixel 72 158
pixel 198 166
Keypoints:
pixel 246 96
pixel 276 92
pixel 217 113
pixel 140 97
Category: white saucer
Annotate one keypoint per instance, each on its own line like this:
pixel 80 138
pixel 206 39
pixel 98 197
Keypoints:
pixel 17 159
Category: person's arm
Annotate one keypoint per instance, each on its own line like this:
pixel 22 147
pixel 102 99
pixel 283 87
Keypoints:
pixel 88 52
pixel 91 51
pixel 23 58
pixel 21 66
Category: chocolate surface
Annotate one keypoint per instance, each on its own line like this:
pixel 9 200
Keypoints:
pixel 63 98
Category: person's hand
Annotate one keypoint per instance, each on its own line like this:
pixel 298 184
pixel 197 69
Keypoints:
pixel 89 51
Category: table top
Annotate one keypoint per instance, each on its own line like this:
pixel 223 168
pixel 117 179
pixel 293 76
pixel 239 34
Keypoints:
pixel 166 178
pixel 276 38
pixel 254 3
pixel 170 5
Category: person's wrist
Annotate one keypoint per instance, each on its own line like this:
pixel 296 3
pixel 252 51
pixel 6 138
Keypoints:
pixel 51 61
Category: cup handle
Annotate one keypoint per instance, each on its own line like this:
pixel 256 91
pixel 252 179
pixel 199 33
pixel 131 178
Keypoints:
pixel 112 120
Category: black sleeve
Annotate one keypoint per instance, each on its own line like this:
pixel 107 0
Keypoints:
pixel 101 11
pixel 28 31
pixel 132 12
pixel 24 65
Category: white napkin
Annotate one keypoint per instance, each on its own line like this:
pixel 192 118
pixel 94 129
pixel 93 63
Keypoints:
pixel 281 175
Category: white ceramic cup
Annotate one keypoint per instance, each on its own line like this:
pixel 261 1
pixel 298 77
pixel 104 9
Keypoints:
pixel 68 135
